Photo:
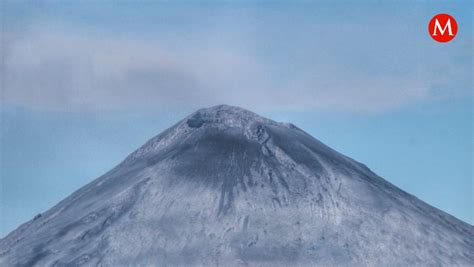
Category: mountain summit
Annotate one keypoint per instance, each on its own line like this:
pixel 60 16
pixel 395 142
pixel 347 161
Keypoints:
pixel 227 187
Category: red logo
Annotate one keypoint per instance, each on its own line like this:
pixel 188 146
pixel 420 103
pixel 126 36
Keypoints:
pixel 443 28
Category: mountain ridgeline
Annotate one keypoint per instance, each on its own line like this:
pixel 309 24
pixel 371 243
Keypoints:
pixel 226 187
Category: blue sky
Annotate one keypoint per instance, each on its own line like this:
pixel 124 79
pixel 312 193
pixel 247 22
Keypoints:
pixel 84 84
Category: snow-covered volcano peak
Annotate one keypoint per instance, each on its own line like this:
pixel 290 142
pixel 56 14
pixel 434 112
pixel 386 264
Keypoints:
pixel 226 187
pixel 225 115
pixel 205 121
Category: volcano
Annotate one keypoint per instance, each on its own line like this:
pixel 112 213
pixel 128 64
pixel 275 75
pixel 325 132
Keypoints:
pixel 226 187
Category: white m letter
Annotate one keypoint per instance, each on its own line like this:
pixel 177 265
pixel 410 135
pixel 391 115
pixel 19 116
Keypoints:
pixel 441 30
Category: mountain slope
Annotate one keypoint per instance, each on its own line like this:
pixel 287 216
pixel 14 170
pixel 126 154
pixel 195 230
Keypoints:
pixel 225 186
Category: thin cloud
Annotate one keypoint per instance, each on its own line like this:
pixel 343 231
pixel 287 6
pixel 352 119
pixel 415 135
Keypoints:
pixel 57 70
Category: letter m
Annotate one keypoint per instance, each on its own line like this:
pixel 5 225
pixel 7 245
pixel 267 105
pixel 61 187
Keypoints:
pixel 442 30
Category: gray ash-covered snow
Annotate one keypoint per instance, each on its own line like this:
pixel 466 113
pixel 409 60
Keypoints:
pixel 227 187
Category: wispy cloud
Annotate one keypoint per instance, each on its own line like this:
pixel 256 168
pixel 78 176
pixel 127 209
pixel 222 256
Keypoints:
pixel 72 69
pixel 68 71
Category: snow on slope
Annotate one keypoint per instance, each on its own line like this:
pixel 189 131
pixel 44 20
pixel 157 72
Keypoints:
pixel 226 187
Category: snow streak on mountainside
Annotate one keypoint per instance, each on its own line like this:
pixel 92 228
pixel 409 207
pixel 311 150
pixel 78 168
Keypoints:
pixel 227 187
